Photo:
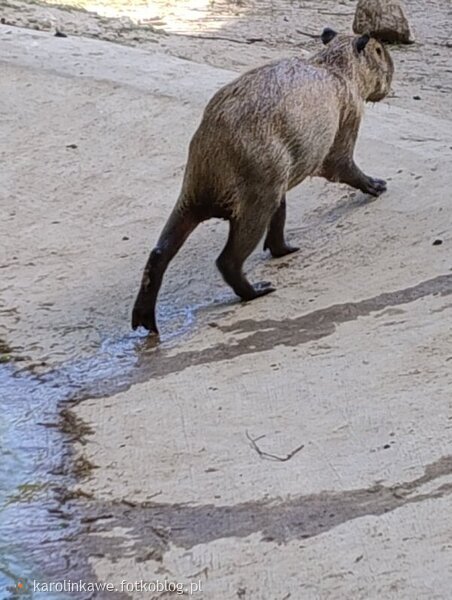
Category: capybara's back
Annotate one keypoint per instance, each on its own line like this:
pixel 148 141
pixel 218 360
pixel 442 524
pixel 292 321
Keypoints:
pixel 260 136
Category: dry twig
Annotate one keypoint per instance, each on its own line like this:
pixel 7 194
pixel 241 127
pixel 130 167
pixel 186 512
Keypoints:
pixel 314 36
pixel 268 455
pixel 223 38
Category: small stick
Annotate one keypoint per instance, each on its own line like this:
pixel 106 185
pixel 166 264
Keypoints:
pixel 315 36
pixel 335 14
pixel 268 455
pixel 222 38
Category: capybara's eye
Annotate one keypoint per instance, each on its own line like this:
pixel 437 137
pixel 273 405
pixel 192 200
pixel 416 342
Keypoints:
pixel 379 51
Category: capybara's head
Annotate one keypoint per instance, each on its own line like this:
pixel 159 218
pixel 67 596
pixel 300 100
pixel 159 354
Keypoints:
pixel 364 57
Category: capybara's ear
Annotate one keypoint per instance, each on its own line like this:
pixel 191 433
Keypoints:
pixel 327 35
pixel 362 42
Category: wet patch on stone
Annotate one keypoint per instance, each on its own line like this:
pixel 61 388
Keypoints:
pixel 153 527
pixel 266 334
pixel 58 524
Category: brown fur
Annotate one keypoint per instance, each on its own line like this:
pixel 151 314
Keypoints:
pixel 260 136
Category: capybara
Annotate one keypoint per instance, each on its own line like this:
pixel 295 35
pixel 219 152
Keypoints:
pixel 260 136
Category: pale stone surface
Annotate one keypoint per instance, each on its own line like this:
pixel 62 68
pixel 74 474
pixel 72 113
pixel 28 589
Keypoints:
pixel 350 357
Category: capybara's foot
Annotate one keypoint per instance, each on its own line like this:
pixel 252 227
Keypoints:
pixel 144 318
pixel 280 251
pixel 374 186
pixel 262 288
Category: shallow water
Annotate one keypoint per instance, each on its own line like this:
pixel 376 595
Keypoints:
pixel 34 449
pixel 29 451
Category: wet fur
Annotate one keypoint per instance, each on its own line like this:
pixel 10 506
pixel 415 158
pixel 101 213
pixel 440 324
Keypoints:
pixel 260 136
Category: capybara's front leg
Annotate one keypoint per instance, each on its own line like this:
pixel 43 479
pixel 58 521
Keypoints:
pixel 352 175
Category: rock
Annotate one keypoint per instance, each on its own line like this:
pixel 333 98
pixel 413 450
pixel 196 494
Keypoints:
pixel 384 19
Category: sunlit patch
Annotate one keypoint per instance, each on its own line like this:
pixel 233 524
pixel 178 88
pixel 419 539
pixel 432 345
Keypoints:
pixel 176 16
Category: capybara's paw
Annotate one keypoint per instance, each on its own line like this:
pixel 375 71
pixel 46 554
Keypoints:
pixel 375 186
pixel 262 288
pixel 143 318
pixel 284 250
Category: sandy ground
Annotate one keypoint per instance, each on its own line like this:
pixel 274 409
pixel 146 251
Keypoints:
pixel 239 34
pixel 350 358
pixel 423 84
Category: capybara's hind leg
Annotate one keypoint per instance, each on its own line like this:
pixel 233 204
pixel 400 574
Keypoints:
pixel 174 234
pixel 244 235
pixel 275 241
